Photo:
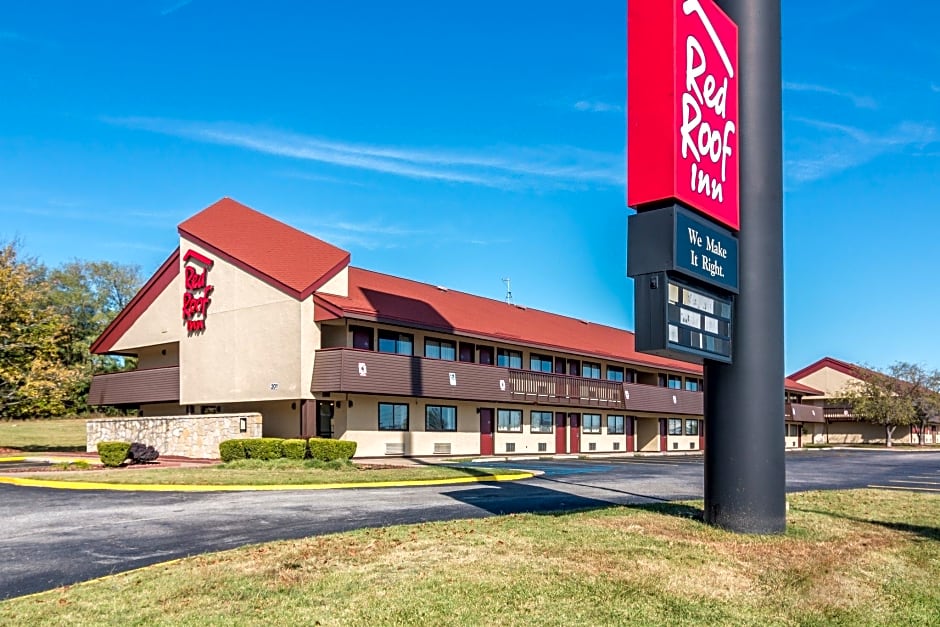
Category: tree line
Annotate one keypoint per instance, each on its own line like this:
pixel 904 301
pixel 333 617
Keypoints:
pixel 49 317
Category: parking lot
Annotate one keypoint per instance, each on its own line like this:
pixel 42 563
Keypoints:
pixel 58 537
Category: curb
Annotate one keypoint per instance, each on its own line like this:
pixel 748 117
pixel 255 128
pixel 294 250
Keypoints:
pixel 140 487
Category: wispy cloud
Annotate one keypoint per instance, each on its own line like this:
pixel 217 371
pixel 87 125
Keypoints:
pixel 596 106
pixel 935 88
pixel 505 167
pixel 173 8
pixel 862 102
pixel 839 147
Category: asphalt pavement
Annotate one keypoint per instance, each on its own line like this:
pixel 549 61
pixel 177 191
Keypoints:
pixel 55 537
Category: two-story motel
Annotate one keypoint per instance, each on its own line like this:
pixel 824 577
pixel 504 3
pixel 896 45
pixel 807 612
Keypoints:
pixel 252 315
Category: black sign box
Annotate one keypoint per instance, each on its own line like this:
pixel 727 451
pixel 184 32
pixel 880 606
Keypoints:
pixel 678 320
pixel 677 240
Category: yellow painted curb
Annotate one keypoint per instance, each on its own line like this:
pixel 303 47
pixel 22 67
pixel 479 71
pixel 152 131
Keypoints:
pixel 49 458
pixel 142 487
pixel 12 459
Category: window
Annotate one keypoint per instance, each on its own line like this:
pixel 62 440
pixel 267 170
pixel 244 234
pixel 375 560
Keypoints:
pixel 540 363
pixel 590 370
pixel 675 382
pixel 630 376
pixel 614 373
pixel 615 425
pixel 509 420
pixel 362 338
pixel 393 417
pixel 466 352
pixel 440 418
pixel 691 426
pixel 591 423
pixel 395 342
pixel 675 426
pixel 793 430
pixel 486 355
pixel 440 349
pixel 541 422
pixel 508 359
pixel 661 380
pixel 691 385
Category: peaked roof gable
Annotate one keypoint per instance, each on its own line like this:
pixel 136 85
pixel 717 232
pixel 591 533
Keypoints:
pixel 827 362
pixel 287 258
pixel 142 301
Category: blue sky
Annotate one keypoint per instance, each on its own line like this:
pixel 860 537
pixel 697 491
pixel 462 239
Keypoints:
pixel 460 143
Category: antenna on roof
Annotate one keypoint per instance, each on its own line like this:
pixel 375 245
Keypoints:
pixel 508 282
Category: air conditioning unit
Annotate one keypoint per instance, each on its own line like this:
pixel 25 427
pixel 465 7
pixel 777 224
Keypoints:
pixel 592 446
pixel 616 446
pixel 510 447
pixel 442 448
pixel 394 448
pixel 543 447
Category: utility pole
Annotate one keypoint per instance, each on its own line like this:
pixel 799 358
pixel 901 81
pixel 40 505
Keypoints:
pixel 745 476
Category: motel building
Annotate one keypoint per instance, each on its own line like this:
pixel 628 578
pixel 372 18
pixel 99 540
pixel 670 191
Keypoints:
pixel 253 328
pixel 833 377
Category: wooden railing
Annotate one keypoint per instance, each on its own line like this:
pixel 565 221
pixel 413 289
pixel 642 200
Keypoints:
pixel 554 389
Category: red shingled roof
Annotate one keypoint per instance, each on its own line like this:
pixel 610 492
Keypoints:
pixel 382 297
pixel 289 259
pixel 795 386
pixel 828 362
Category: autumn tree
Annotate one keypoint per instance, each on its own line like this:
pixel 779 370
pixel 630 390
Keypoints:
pixel 892 397
pixel 33 379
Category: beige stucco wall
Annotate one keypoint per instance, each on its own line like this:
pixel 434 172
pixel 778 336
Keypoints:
pixel 257 344
pixel 360 423
pixel 647 434
pixel 162 409
pixel 865 433
pixel 338 285
pixel 827 380
pixel 158 324
pixel 281 418
pixel 186 436
pixel 158 356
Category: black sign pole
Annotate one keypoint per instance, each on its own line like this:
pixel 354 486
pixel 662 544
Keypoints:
pixel 744 401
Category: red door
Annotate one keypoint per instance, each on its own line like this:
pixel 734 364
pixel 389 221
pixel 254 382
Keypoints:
pixel 629 428
pixel 486 431
pixel 561 433
pixel 574 420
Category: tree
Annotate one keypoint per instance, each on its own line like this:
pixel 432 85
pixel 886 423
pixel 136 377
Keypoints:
pixel 33 379
pixel 927 406
pixel 892 397
pixel 89 294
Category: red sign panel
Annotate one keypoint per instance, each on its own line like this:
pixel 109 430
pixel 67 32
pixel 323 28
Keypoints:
pixel 196 297
pixel 682 106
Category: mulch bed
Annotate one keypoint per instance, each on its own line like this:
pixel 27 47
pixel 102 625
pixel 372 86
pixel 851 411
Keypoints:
pixel 9 451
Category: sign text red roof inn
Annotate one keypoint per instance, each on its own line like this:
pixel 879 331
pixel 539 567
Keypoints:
pixel 682 107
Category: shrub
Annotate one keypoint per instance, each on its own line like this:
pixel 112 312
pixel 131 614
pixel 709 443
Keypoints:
pixel 113 454
pixel 230 450
pixel 141 453
pixel 264 448
pixel 294 449
pixel 328 450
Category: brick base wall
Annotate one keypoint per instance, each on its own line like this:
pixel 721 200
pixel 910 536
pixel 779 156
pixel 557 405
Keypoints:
pixel 185 436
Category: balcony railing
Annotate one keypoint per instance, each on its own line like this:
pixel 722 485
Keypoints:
pixel 155 385
pixel 553 389
pixel 798 412
pixel 368 372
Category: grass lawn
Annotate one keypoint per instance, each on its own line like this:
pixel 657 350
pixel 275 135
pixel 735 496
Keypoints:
pixel 848 558
pixel 36 436
pixel 280 471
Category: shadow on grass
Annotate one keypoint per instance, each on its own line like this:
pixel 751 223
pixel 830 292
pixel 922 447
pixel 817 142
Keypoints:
pixel 924 531
pixel 525 498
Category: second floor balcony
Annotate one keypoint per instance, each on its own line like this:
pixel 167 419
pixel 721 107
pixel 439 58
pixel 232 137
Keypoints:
pixel 367 372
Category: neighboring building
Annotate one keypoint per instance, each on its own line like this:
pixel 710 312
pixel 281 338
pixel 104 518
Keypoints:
pixel 252 315
pixel 833 378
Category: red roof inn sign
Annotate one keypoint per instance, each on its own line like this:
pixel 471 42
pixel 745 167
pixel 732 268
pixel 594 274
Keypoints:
pixel 196 297
pixel 682 107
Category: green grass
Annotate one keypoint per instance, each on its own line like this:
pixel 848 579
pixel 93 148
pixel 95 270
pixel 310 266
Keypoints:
pixel 39 436
pixel 848 558
pixel 275 472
